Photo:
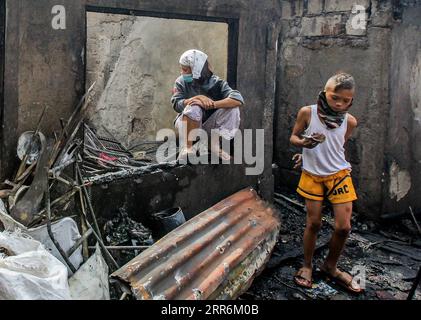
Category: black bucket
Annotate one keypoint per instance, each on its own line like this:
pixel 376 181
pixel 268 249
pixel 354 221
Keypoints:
pixel 168 220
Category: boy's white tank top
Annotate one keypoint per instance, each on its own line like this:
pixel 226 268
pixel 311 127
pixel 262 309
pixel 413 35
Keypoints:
pixel 328 157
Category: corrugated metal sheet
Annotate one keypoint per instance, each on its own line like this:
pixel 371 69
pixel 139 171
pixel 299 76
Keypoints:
pixel 214 255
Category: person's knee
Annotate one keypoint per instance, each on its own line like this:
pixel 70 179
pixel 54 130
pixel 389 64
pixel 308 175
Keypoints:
pixel 228 112
pixel 235 111
pixel 314 225
pixel 194 112
pixel 343 230
pixel 228 118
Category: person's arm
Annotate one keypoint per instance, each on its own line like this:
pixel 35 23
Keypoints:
pixel 208 103
pixel 303 119
pixel 351 125
pixel 230 98
pixel 201 101
pixel 178 99
pixel 227 103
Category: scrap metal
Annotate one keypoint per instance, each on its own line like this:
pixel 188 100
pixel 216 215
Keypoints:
pixel 215 255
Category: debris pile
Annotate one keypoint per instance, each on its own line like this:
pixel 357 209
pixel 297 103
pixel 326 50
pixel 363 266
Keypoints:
pixel 48 223
pixel 215 255
pixel 49 201
pixel 101 155
pixel 125 237
pixel 122 229
pixel 386 255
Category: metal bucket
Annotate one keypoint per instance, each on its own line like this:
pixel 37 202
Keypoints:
pixel 168 220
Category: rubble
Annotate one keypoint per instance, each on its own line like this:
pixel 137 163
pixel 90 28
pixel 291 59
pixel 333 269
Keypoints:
pixel 122 229
pixel 46 167
pixel 214 255
pixel 126 238
pixel 388 255
pixel 53 182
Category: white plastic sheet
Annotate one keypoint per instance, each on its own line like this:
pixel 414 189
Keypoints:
pixel 29 272
pixel 90 282
pixel 65 232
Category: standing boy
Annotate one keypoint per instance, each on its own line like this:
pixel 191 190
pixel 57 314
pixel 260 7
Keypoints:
pixel 322 130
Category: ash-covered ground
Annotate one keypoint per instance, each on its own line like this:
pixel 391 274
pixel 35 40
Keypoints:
pixel 387 255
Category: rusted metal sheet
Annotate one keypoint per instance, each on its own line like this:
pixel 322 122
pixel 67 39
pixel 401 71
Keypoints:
pixel 214 255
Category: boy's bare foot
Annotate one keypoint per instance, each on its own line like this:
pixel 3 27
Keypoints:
pixel 304 277
pixel 341 278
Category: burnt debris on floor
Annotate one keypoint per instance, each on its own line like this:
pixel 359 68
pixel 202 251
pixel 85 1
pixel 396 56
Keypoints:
pixel 386 254
pixel 214 255
pixel 126 238
pixel 49 199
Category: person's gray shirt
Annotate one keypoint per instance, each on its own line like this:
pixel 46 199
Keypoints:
pixel 216 89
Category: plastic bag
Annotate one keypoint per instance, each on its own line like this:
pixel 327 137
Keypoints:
pixel 90 282
pixel 29 272
pixel 65 232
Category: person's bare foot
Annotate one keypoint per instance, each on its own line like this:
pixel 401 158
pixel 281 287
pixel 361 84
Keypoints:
pixel 342 278
pixel 304 277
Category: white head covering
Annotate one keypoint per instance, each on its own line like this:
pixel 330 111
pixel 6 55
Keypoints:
pixel 195 59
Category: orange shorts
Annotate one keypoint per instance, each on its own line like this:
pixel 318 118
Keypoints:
pixel 337 188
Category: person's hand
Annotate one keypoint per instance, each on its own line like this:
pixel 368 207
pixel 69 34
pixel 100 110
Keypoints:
pixel 319 137
pixel 298 160
pixel 309 143
pixel 207 103
pixel 196 101
pixel 312 141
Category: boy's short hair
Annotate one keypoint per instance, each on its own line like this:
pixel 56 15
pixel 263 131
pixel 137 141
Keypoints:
pixel 341 81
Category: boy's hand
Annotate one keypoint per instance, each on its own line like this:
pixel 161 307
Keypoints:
pixel 309 143
pixel 319 137
pixel 298 159
pixel 312 141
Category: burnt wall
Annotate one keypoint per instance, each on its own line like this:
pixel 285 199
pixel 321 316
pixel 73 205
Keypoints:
pixel 403 151
pixel 45 66
pixel 193 188
pixel 134 61
pixel 295 44
pixel 318 39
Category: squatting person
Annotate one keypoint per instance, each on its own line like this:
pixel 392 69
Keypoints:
pixel 203 100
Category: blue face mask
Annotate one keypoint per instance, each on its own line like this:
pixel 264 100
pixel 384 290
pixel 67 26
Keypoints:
pixel 188 78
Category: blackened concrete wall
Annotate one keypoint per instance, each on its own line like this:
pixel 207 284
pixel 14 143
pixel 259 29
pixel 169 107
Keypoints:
pixel 403 147
pixel 47 66
pixel 43 66
pixel 134 61
pixel 316 41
